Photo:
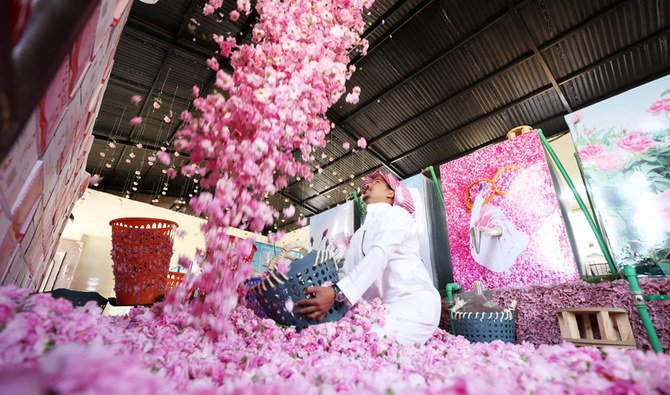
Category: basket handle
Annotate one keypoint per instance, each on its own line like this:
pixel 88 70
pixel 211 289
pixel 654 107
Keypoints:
pixel 285 253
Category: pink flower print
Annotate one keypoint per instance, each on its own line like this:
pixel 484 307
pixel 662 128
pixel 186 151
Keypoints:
pixel 590 152
pixel 577 117
pixel 171 173
pixel 131 155
pixel 157 105
pixel 663 199
pixel 608 162
pixel 136 121
pixel 345 145
pixel 635 142
pixel 136 99
pixel 139 145
pixel 660 106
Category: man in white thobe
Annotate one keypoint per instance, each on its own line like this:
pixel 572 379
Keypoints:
pixel 383 261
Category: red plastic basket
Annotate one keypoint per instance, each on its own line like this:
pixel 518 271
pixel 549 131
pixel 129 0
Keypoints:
pixel 173 281
pixel 141 251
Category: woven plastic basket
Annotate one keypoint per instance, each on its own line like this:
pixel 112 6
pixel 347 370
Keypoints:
pixel 485 327
pixel 141 251
pixel 277 292
pixel 251 298
pixel 173 280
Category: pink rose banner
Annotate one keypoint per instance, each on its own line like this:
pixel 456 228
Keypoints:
pixel 624 149
pixel 503 217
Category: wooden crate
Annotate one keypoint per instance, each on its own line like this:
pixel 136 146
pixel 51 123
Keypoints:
pixel 613 327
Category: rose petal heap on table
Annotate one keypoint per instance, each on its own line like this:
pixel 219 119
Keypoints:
pixel 259 129
pixel 50 345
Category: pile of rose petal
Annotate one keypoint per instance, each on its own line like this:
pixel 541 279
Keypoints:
pixel 46 344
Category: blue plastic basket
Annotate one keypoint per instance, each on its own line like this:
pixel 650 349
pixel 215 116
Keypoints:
pixel 251 298
pixel 276 289
pixel 485 327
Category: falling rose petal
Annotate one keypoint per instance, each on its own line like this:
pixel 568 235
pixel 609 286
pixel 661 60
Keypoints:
pixel 108 165
pixel 163 148
pixel 176 153
pixel 132 155
pixel 172 173
pixel 166 119
pixel 156 105
pixel 94 180
pixel 244 6
pixel 136 120
pixel 111 145
pixel 288 305
pixel 289 211
pixel 234 15
pixel 102 154
pixel 139 145
pixel 151 163
pixel 362 143
pixel 163 157
pixel 128 160
pixel 151 159
pixel 136 99
pixel 213 64
pixel 137 172
pixel 301 222
pixel 353 97
pixel 345 145
pixel 164 171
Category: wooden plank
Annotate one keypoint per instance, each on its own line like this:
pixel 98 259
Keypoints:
pixel 592 310
pixel 565 332
pixel 623 325
pixel 569 330
pixel 586 321
pixel 602 343
pixel 606 328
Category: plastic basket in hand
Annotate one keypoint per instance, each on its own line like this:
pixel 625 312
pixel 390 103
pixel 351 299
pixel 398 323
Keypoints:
pixel 278 292
pixel 485 327
pixel 251 298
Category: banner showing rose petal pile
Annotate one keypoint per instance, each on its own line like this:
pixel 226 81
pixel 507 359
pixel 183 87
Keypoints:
pixel 624 149
pixel 246 144
pixel 505 193
pixel 47 346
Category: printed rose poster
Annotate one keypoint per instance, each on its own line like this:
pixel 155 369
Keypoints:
pixel 624 149
pixel 503 217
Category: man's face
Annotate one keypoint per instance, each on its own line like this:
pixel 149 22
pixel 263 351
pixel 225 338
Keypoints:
pixel 378 191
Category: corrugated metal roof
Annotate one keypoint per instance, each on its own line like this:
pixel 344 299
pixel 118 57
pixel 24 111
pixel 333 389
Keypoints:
pixel 441 79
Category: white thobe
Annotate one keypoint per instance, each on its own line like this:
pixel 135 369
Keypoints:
pixel 383 262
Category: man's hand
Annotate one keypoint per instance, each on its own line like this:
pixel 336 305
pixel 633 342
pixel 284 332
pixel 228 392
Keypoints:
pixel 316 307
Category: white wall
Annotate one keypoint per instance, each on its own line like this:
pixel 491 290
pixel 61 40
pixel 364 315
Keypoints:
pixel 92 214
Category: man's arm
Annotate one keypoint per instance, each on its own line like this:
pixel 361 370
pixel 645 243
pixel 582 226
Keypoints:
pixel 393 230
